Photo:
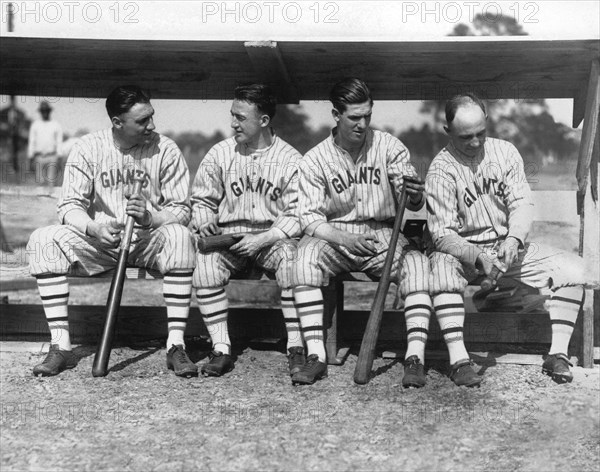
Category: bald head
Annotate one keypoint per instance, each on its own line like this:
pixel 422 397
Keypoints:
pixel 466 124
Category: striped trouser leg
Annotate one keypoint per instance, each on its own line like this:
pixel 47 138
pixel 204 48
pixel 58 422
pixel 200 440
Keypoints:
pixel 54 291
pixel 563 309
pixel 177 291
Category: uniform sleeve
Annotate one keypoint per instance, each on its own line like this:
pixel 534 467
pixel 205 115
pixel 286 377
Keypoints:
pixel 78 182
pixel 442 217
pixel 288 220
pixel 207 191
pixel 311 196
pixel 175 185
pixel 518 199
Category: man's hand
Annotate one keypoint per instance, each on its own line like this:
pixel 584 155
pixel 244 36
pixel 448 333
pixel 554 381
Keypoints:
pixel 414 187
pixel 508 252
pixel 136 207
pixel 107 235
pixel 249 245
pixel 209 229
pixel 361 244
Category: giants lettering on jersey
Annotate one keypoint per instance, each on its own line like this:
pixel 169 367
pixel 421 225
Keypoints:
pixel 114 177
pixel 363 175
pixel 491 186
pixel 261 186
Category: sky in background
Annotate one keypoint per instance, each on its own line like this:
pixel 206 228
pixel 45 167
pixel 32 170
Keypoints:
pixel 277 20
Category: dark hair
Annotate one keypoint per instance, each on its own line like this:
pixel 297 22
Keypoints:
pixel 457 101
pixel 349 91
pixel 258 94
pixel 121 99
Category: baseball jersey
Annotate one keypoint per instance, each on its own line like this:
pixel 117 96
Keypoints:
pixel 98 175
pixel 241 189
pixel 341 192
pixel 45 137
pixel 479 200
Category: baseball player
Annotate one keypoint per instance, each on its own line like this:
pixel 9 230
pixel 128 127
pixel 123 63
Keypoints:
pixel 248 184
pixel 44 147
pixel 347 193
pixel 94 204
pixel 479 215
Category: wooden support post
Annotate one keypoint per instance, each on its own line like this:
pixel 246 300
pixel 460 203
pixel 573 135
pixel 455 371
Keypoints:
pixel 587 205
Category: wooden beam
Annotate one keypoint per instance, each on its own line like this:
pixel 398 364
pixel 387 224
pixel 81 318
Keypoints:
pixel 588 137
pixel 270 68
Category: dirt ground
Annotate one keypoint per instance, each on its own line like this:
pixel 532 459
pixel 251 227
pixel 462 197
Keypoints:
pixel 143 418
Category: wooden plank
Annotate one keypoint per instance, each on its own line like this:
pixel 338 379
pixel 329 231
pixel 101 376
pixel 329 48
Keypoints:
pixel 590 126
pixel 270 69
pixel 407 70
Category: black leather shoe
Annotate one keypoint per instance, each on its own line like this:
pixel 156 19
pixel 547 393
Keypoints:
pixel 296 359
pixel 557 367
pixel 311 371
pixel 414 373
pixel 179 362
pixel 55 362
pixel 217 365
pixel 463 374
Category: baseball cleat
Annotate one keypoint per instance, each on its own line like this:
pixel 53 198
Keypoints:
pixel 55 362
pixel 414 373
pixel 463 374
pixel 557 367
pixel 179 362
pixel 217 365
pixel 311 371
pixel 296 359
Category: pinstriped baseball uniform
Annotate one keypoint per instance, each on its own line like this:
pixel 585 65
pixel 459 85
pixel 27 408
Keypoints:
pixel 358 198
pixel 243 190
pixel 97 177
pixel 473 205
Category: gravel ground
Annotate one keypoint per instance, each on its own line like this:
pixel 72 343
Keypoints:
pixel 142 417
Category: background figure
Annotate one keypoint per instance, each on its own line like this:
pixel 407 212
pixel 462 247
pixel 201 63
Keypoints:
pixel 44 150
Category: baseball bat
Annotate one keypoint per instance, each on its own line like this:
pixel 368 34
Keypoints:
pixel 220 241
pixel 113 303
pixel 366 354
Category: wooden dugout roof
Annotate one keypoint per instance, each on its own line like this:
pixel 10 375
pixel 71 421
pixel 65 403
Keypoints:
pixel 395 70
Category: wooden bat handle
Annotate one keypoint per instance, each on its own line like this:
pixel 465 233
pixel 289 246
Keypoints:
pixel 366 354
pixel 100 365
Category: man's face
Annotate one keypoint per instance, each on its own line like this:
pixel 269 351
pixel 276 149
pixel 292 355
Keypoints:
pixel 467 132
pixel 247 122
pixel 137 125
pixel 353 123
pixel 45 112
